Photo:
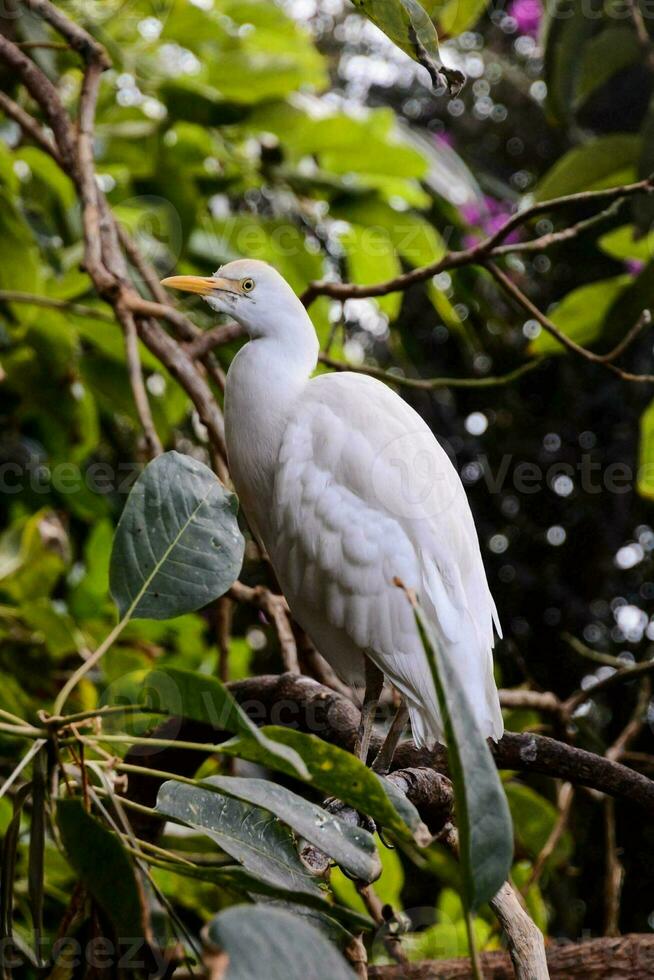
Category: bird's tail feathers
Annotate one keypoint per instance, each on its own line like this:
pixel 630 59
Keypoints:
pixel 474 669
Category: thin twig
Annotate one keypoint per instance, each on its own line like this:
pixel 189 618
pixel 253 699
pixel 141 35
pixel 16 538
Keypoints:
pixel 644 39
pixel 565 798
pixel 49 302
pixel 276 607
pixel 614 874
pixel 479 252
pixel 619 677
pixel 604 359
pixel 135 375
pixel 29 126
pixel 431 384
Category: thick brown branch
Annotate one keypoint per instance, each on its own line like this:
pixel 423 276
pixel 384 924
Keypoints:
pixel 295 701
pixel 623 958
pixel 215 337
pixel 182 367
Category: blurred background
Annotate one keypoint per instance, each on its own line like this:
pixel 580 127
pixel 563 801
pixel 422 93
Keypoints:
pixel 296 132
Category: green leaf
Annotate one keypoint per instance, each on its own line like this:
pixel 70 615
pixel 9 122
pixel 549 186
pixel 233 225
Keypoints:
pixel 603 57
pixel 251 835
pixel 52 626
pixel 102 866
pixel 534 818
pixel 290 948
pixel 409 26
pixel 247 50
pixel 621 243
pixel 580 315
pixel 645 482
pixel 388 886
pixel 455 16
pixel 482 812
pixel 203 698
pixel 601 162
pixel 177 545
pixel 33 554
pixel 352 848
pixel 371 258
pixel 566 27
pixel 338 773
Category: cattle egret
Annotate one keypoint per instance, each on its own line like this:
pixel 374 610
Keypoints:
pixel 347 490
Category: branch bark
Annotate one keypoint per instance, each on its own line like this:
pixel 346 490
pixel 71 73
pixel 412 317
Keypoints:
pixel 625 958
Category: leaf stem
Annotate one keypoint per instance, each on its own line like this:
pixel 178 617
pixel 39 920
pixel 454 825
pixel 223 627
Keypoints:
pixel 89 664
pixel 22 731
pixel 475 960
pixel 61 721
pixel 163 743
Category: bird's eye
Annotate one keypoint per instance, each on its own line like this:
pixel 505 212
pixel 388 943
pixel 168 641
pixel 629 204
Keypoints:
pixel 247 285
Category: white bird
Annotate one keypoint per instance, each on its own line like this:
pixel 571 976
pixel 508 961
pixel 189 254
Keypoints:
pixel 347 489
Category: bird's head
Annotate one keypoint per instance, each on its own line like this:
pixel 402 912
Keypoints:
pixel 249 290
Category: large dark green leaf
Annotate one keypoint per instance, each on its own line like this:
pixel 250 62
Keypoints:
pixel 567 25
pixel 598 163
pixel 338 773
pixel 605 55
pixel 350 847
pixel 102 866
pixel 200 697
pixel 581 314
pixel 251 835
pixel 407 24
pixel 482 812
pixel 177 544
pixel 282 945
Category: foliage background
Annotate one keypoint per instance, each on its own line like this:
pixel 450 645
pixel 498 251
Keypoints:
pixel 295 132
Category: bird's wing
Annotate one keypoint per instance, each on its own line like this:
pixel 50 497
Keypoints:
pixel 363 495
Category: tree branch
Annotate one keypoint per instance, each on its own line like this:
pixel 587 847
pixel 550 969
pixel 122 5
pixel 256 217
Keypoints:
pixel 295 701
pixel 627 957
pixel 604 359
pixel 431 384
pixel 477 253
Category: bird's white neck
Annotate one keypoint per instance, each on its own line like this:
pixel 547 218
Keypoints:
pixel 264 381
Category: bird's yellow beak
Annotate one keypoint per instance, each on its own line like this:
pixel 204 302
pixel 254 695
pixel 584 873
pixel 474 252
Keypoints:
pixel 200 284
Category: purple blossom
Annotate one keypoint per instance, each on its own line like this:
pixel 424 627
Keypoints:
pixel 634 267
pixel 527 14
pixel 487 214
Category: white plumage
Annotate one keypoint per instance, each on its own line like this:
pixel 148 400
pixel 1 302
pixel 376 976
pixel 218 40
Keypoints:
pixel 348 490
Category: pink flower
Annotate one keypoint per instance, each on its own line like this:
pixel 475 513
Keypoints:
pixel 527 14
pixel 488 215
pixel 634 267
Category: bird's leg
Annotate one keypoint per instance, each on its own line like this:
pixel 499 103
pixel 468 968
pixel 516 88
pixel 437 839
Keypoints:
pixel 384 757
pixel 374 685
